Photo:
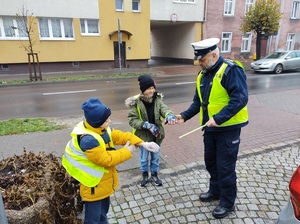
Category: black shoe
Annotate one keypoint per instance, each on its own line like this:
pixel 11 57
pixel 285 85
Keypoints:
pixel 144 180
pixel 221 212
pixel 207 197
pixel 155 179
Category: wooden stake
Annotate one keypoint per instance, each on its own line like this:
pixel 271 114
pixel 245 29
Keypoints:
pixel 192 131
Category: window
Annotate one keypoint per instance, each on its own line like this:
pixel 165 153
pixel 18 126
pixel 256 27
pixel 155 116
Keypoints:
pixel 119 5
pixel 55 28
pixel 292 55
pixel 246 42
pixel 136 5
pixel 89 27
pixel 229 8
pixel 226 42
pixel 76 64
pixel 4 67
pixel 12 28
pixel 290 42
pixel 185 1
pixel 248 4
pixel 295 9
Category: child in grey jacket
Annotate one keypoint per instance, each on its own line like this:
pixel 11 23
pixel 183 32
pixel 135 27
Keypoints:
pixel 147 115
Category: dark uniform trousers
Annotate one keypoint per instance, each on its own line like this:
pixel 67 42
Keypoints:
pixel 220 156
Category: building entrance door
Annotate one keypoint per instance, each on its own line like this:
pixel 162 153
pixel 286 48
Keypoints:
pixel 122 56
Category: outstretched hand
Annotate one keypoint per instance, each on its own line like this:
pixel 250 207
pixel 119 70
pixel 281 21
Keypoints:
pixel 171 119
pixel 180 119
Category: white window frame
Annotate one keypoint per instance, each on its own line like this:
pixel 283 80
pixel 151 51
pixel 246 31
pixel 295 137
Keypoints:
pixel 248 4
pixel 226 42
pixel 138 2
pixel 117 5
pixel 50 28
pixel 184 1
pixel 295 9
pixel 16 31
pixel 229 6
pixel 290 41
pixel 246 42
pixel 86 30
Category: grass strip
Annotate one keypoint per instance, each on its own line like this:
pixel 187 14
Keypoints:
pixel 73 78
pixel 25 125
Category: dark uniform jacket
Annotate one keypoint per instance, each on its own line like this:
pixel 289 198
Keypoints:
pixel 234 81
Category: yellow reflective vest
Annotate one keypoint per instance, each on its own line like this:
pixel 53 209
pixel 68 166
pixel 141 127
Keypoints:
pixel 77 164
pixel 219 98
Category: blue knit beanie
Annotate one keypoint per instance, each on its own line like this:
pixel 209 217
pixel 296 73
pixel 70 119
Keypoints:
pixel 95 112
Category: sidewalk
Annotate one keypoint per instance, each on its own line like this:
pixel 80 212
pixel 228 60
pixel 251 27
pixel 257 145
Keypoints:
pixel 269 152
pixel 262 191
pixel 157 69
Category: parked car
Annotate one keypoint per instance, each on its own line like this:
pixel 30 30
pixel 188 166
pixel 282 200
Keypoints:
pixel 291 213
pixel 278 62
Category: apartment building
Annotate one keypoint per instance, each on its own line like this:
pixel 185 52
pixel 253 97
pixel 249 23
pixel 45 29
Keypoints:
pixel 288 37
pixel 75 35
pixel 224 22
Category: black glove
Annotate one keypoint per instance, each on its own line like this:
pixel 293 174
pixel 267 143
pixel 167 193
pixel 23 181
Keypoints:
pixel 151 127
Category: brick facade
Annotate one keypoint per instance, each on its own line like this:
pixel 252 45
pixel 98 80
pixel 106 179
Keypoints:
pixel 216 23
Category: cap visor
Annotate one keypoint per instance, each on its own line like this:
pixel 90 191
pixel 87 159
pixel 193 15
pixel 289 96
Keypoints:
pixel 198 57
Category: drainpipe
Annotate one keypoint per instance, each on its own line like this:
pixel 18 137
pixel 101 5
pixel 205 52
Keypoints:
pixel 278 34
pixel 204 19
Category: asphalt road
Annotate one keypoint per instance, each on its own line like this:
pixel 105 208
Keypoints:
pixel 62 98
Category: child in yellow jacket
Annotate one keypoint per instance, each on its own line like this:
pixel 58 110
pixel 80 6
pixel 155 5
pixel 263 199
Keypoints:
pixel 90 158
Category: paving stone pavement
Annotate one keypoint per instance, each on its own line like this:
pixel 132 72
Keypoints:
pixel 263 178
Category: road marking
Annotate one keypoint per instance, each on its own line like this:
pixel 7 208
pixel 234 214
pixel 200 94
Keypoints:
pixel 68 92
pixel 184 83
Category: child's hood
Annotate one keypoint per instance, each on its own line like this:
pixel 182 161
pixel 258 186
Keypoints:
pixel 131 101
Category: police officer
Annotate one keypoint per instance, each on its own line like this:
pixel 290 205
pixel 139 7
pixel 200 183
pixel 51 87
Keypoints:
pixel 220 98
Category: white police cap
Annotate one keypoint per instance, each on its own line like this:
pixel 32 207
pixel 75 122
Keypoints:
pixel 203 47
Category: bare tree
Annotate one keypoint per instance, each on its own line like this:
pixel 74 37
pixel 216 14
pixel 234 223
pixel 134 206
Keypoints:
pixel 263 18
pixel 26 27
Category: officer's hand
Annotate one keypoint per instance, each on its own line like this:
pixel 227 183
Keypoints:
pixel 180 119
pixel 211 123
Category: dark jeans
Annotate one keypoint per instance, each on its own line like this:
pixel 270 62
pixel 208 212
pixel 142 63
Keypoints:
pixel 220 156
pixel 96 211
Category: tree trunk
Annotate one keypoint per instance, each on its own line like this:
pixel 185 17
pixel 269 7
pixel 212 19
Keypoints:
pixel 258 46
